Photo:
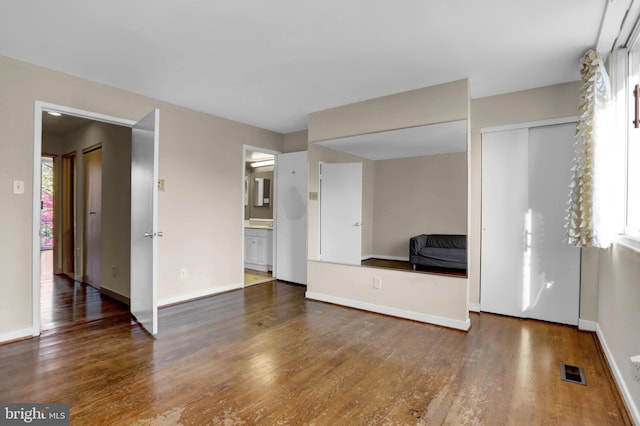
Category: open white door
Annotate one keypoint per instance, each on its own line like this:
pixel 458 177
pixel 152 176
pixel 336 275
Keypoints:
pixel 341 212
pixel 144 219
pixel 291 226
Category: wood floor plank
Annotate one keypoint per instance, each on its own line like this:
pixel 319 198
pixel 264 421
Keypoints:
pixel 266 355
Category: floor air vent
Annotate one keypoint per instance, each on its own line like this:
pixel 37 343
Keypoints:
pixel 573 374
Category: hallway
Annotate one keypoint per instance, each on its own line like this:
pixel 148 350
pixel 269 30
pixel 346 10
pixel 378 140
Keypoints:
pixel 65 302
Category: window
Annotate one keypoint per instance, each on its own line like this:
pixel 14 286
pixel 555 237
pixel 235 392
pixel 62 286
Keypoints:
pixel 632 222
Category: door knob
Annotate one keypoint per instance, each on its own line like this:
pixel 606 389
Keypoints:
pixel 148 234
pixel 356 224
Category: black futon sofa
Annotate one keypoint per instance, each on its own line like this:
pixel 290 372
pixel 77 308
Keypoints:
pixel 439 250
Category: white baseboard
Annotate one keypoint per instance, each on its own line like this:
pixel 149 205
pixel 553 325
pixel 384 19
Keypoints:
pixel 474 307
pixel 198 295
pixel 17 334
pixel 430 319
pixel 617 375
pixel 586 325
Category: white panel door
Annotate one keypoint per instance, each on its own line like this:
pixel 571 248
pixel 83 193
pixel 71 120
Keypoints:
pixel 291 217
pixel 341 212
pixel 504 213
pixel 144 202
pixel 554 286
pixel 527 270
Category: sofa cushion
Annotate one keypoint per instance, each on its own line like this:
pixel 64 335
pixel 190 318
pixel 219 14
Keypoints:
pixel 444 254
pixel 447 241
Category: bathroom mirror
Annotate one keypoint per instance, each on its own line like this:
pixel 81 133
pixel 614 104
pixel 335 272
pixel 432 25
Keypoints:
pixel 413 182
pixel 262 191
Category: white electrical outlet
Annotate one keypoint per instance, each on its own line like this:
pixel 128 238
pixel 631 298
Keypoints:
pixel 377 283
pixel 184 274
pixel 635 362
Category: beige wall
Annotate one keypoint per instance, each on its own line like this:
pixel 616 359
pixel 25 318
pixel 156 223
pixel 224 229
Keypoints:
pixel 295 142
pixel 442 103
pixel 619 312
pixel 419 195
pixel 430 105
pixel 518 107
pixel 200 211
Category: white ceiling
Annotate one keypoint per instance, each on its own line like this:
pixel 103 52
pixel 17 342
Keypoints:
pixel 270 63
pixel 410 142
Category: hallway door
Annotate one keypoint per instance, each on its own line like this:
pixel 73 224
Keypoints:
pixel 144 220
pixel 92 160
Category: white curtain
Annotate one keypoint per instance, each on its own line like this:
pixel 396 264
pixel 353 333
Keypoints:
pixel 591 218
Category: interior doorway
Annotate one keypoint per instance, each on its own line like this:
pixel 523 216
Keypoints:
pixel 69 232
pixel 259 212
pixel 48 194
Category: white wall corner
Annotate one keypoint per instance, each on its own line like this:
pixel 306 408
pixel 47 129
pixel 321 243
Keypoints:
pixel 17 334
pixel 619 378
pixel 474 307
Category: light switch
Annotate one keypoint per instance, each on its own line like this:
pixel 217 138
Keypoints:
pixel 18 187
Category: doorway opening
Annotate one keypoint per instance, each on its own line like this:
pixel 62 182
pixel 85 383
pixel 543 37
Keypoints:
pixel 70 219
pixel 93 269
pixel 259 245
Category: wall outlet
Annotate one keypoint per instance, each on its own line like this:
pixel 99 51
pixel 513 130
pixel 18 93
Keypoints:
pixel 377 283
pixel 635 362
pixel 184 274
pixel 18 187
pixel 114 271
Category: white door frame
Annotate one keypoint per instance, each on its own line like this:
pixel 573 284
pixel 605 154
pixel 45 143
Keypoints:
pixel 274 247
pixel 40 108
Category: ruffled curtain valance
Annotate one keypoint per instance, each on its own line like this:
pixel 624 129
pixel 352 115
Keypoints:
pixel 590 213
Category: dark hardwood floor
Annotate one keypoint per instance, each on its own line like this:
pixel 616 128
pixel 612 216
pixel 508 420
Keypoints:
pixel 265 355
pixel 67 302
pixel 406 265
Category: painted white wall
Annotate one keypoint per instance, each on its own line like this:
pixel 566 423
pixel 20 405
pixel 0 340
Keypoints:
pixel 200 211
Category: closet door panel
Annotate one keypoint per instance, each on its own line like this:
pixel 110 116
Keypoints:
pixel 504 206
pixel 552 292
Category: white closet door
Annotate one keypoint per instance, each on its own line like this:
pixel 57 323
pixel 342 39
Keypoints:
pixel 554 287
pixel 527 270
pixel 505 181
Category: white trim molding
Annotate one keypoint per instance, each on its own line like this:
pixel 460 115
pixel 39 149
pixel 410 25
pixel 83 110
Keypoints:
pixel 586 325
pixel 527 125
pixel 617 375
pixel 400 313
pixel 18 334
pixel 474 307
pixel 198 295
